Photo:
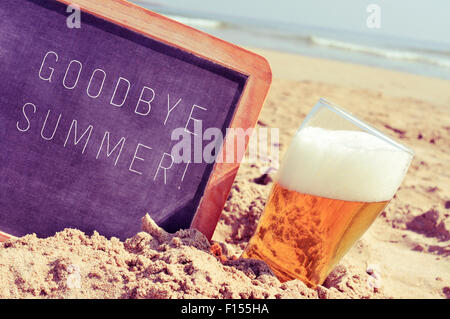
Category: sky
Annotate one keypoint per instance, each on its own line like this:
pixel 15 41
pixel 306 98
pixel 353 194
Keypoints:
pixel 426 20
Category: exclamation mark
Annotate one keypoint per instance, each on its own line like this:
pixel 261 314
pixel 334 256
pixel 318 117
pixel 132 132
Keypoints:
pixel 184 174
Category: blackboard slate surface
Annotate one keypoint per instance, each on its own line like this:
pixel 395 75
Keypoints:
pixel 47 183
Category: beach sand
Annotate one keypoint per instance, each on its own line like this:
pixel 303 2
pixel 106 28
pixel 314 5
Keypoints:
pixel 408 245
pixel 410 240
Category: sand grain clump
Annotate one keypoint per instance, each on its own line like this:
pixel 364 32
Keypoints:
pixel 152 264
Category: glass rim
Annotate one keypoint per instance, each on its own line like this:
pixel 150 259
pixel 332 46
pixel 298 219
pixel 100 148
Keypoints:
pixel 350 117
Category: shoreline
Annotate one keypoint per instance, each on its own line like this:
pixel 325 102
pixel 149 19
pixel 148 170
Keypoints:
pixel 390 82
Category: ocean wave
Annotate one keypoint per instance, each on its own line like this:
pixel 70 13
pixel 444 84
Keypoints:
pixel 430 57
pixel 197 22
pixel 385 53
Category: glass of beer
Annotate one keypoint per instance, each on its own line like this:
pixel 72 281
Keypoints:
pixel 336 177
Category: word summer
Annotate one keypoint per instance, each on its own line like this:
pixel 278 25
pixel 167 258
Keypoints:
pixel 106 149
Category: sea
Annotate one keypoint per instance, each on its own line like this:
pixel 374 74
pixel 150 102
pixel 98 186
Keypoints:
pixel 389 52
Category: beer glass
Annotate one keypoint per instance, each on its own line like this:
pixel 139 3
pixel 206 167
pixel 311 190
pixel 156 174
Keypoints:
pixel 336 177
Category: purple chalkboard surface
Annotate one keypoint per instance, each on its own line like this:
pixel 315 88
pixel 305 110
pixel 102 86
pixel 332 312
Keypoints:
pixel 86 118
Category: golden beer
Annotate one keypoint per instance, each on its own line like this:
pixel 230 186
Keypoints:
pixel 308 234
pixel 330 187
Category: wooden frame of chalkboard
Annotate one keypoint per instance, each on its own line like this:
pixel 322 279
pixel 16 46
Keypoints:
pixel 200 44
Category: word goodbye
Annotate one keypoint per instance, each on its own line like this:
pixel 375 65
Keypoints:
pixel 121 91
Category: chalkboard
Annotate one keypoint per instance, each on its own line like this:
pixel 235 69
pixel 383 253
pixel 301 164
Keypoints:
pixel 86 121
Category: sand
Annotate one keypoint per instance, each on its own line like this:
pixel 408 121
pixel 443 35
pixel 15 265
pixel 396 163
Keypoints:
pixel 405 254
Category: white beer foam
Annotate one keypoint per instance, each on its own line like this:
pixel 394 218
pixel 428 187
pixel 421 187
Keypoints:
pixel 346 165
